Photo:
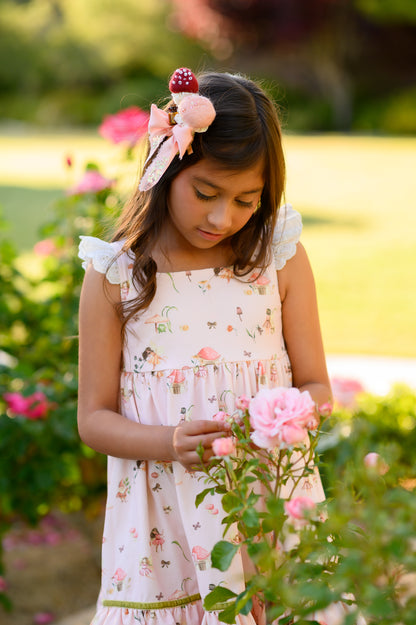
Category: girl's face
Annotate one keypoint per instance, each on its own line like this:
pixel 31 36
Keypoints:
pixel 207 204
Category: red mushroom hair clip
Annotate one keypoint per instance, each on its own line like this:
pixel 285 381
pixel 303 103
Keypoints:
pixel 172 132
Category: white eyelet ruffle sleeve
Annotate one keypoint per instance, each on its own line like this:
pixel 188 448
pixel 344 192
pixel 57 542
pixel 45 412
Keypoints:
pixel 286 235
pixel 102 256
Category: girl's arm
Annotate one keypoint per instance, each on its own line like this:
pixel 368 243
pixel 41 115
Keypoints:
pixel 100 424
pixel 301 329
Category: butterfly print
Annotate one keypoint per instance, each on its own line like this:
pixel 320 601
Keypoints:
pixel 248 354
pixel 212 324
pixel 159 597
pixel 196 525
pixel 156 487
pixel 165 563
pixel 212 399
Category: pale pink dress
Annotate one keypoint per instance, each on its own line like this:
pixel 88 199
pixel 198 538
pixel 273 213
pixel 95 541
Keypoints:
pixel 206 338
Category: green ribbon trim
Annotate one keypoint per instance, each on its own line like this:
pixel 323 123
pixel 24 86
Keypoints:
pixel 158 605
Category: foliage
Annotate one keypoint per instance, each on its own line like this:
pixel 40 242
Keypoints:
pixel 43 464
pixel 362 553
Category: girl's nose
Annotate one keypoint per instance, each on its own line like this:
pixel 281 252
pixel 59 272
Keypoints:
pixel 220 216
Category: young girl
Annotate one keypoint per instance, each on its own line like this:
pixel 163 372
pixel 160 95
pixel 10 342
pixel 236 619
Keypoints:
pixel 204 294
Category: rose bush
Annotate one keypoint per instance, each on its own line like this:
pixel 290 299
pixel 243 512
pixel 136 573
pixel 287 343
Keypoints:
pixel 43 464
pixel 356 550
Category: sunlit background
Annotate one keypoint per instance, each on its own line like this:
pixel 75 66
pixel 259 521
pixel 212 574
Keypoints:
pixel 343 73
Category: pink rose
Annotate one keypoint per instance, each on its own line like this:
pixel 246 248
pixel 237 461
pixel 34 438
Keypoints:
pixel 280 416
pixel 375 462
pixel 223 446
pixel 46 247
pixel 292 434
pixel 43 618
pixel 299 508
pixel 91 182
pixel 127 126
pixel 221 416
pixel 35 406
pixel 345 390
pixel 325 410
pixel 3 584
pixel 242 402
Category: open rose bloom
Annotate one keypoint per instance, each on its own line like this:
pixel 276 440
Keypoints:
pixel 281 417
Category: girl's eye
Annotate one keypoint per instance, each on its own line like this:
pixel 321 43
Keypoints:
pixel 202 196
pixel 245 204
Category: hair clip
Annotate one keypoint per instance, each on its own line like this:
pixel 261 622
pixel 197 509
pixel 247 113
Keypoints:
pixel 171 132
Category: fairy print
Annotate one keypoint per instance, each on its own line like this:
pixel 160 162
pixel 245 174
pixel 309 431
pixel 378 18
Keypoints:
pixel 204 285
pixel 225 273
pixel 268 325
pixel 150 356
pixel 274 376
pixel 145 567
pixel 123 489
pixel 161 322
pixel 124 290
pixel 164 467
pixel 156 539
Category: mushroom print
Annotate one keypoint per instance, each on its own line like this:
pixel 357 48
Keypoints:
pixel 118 579
pixel 207 356
pixel 261 373
pixel 177 380
pixel 260 284
pixel 200 556
pixel 162 322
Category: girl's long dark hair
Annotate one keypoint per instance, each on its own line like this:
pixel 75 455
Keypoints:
pixel 246 131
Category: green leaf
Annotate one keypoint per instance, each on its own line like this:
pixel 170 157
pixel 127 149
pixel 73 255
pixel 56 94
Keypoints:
pixel 222 555
pixel 216 596
pixel 251 517
pixel 227 615
pixel 230 502
pixel 201 496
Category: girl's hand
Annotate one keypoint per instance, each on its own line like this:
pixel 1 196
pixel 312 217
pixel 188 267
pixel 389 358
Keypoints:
pixel 189 434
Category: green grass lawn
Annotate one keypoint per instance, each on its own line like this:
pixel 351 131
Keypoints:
pixel 357 196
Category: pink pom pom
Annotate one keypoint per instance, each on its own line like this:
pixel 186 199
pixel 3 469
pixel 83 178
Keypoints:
pixel 197 112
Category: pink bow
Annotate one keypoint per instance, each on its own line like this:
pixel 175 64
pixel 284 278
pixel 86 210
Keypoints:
pixel 180 138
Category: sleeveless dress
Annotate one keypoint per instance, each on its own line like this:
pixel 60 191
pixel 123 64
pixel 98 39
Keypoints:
pixel 206 338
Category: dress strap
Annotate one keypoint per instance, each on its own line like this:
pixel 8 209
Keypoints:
pixel 286 235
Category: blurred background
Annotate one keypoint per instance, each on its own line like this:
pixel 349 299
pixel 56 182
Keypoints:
pixel 343 74
pixel 339 64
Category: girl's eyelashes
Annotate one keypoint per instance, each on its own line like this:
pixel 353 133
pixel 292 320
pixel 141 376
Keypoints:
pixel 202 196
pixel 207 198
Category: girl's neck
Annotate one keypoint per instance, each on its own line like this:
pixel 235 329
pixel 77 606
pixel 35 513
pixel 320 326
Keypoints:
pixel 187 262
pixel 171 254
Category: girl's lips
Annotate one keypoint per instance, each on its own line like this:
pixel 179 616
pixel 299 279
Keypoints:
pixel 209 235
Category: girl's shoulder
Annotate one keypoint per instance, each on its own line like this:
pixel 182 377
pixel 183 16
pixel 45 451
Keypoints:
pixel 286 235
pixel 105 257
